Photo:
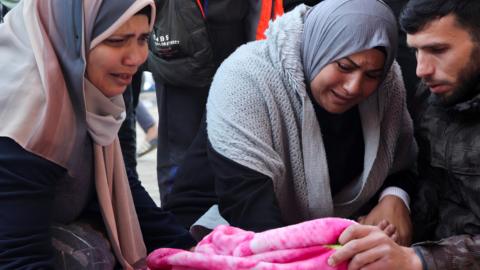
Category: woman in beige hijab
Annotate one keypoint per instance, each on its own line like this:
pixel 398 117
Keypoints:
pixel 64 67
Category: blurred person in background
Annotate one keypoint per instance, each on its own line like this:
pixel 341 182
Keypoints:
pixel 183 68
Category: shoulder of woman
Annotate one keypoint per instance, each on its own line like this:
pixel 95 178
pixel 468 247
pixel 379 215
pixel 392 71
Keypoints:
pixel 393 85
pixel 245 73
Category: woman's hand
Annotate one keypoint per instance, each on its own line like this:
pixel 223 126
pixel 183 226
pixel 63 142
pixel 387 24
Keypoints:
pixel 392 216
pixel 368 247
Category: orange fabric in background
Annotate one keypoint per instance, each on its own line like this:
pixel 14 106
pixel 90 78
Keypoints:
pixel 268 12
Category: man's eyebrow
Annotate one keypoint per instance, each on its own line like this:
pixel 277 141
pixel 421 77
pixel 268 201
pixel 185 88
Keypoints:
pixel 430 45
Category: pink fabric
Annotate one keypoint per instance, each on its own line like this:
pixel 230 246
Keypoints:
pixel 302 246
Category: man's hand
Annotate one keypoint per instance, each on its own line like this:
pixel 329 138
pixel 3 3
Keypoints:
pixel 368 247
pixel 392 216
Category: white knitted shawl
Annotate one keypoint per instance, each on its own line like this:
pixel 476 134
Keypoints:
pixel 259 115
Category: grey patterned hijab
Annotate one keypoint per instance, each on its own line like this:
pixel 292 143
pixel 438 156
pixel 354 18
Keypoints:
pixel 338 28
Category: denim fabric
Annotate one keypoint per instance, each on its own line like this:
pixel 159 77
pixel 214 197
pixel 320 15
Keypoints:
pixel 143 116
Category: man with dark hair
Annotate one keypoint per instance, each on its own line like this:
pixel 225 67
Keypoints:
pixel 446 210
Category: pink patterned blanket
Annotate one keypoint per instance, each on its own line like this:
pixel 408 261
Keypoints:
pixel 303 246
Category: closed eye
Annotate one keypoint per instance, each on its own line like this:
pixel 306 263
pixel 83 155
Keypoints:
pixel 115 42
pixel 145 36
pixel 344 67
pixel 437 50
pixel 374 75
pixel 143 39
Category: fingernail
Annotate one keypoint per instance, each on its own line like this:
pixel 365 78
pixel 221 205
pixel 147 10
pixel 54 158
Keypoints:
pixel 331 262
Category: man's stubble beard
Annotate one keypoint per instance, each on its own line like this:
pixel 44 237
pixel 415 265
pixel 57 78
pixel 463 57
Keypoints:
pixel 469 81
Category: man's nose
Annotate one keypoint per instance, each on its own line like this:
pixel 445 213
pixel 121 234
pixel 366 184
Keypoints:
pixel 425 68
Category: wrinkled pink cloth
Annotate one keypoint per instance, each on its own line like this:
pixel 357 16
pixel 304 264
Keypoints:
pixel 303 246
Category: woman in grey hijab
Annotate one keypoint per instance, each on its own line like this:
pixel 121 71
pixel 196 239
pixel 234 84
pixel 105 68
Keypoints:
pixel 312 122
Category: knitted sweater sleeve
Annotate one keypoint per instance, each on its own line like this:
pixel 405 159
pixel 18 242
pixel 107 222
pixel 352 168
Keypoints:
pixel 241 140
pixel 399 132
pixel 246 198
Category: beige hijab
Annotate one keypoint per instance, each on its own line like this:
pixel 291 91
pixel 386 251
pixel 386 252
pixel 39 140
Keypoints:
pixel 48 107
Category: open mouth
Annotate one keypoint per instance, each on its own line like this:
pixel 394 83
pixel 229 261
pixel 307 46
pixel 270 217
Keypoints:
pixel 123 78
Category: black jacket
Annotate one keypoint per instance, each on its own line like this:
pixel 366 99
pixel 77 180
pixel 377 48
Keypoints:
pixel 183 77
pixel 189 42
pixel 446 208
